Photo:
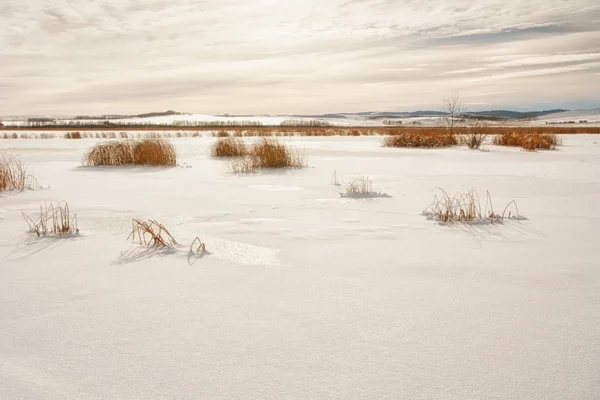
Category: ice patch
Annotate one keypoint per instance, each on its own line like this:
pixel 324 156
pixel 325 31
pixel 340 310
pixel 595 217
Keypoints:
pixel 242 253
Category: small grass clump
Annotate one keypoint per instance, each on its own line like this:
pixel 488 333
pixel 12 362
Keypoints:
pixel 360 188
pixel 229 147
pixel 466 207
pixel 151 233
pixel 154 234
pixel 416 139
pixel 153 152
pixel 53 220
pixel 361 185
pixel 528 141
pixel 14 175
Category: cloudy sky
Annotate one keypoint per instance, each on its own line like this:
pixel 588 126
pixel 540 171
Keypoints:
pixel 302 56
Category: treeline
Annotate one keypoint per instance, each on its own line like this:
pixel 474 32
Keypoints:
pixel 305 122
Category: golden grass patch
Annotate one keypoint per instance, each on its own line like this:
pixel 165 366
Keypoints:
pixel 420 139
pixel 152 152
pixel 14 175
pixel 229 147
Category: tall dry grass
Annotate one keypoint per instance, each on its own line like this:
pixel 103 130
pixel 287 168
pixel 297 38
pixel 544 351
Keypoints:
pixel 420 139
pixel 271 153
pixel 14 175
pixel 153 152
pixel 466 207
pixel 528 141
pixel 229 147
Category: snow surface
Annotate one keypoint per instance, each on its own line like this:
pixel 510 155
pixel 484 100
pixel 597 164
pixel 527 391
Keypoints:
pixel 592 116
pixel 305 294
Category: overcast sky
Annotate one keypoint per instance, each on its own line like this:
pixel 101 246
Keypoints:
pixel 302 56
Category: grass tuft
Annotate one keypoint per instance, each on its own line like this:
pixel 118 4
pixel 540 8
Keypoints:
pixel 229 147
pixel 53 220
pixel 361 185
pixel 466 207
pixel 154 152
pixel 14 175
pixel 151 233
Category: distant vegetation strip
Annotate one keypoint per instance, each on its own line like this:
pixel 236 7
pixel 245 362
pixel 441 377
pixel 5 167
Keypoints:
pixel 298 130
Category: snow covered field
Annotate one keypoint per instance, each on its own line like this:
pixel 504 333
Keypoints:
pixel 304 294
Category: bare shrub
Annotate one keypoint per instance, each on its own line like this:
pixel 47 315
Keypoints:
pixel 474 136
pixel 14 175
pixel 53 220
pixel 229 147
pixel 466 207
pixel 154 152
pixel 420 139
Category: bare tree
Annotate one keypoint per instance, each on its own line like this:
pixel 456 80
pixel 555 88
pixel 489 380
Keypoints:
pixel 453 108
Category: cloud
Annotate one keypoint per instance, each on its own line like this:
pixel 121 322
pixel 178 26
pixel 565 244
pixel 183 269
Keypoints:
pixel 309 56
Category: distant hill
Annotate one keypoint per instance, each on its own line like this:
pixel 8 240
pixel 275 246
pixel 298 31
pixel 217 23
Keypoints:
pixel 490 114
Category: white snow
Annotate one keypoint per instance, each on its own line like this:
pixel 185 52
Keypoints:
pixel 304 294
pixel 592 116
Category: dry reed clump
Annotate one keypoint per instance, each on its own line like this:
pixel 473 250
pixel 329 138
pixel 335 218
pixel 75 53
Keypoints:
pixel 271 153
pixel 466 207
pixel 53 220
pixel 418 139
pixel 242 165
pixel 528 141
pixel 151 233
pixel 154 152
pixel 267 153
pixel 361 185
pixel 73 135
pixel 14 175
pixel 229 147
pixel 154 234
